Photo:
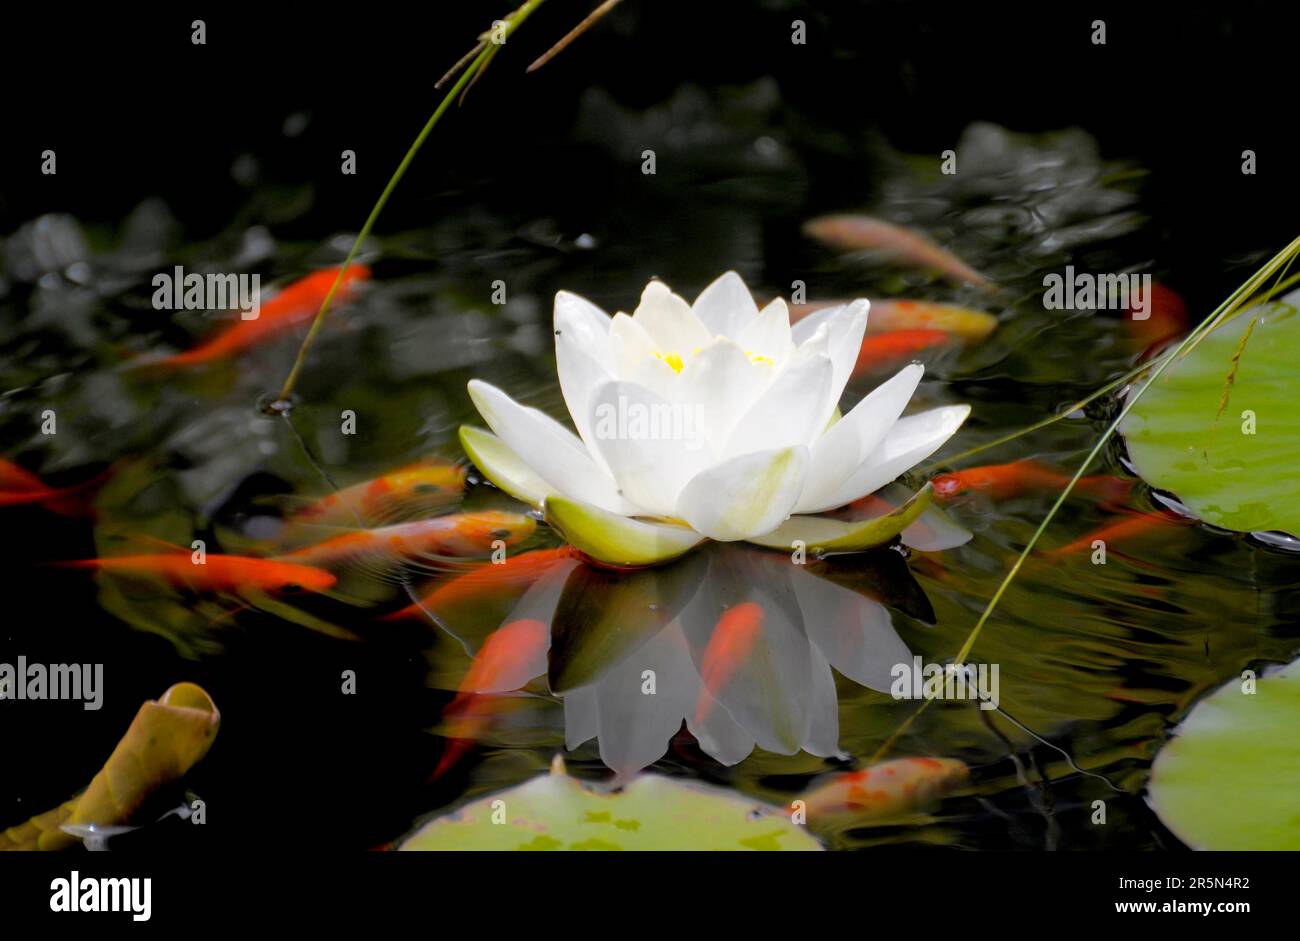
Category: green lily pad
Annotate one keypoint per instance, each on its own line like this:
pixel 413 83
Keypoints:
pixel 502 465
pixel 652 812
pixel 821 534
pixel 1234 469
pixel 618 540
pixel 1229 777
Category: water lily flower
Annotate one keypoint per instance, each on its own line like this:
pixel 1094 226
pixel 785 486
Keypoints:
pixel 712 420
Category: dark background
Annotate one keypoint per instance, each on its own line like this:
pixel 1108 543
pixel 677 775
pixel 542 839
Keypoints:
pixel 133 108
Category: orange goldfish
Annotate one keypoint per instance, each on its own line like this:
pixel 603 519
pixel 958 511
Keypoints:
pixel 510 657
pixel 888 316
pixel 1166 317
pixel 1135 524
pixel 881 792
pixel 296 303
pixel 488 582
pixel 861 233
pixel 223 574
pixel 459 534
pixel 888 349
pixel 19 487
pixel 1005 481
pixel 730 646
pixel 426 485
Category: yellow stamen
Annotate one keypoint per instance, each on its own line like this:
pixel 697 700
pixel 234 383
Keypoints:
pixel 676 363
pixel 674 360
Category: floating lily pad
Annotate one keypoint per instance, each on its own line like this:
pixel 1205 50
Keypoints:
pixel 1228 779
pixel 557 812
pixel 822 534
pixel 1232 462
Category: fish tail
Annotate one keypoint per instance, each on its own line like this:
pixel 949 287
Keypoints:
pixel 74 563
pixel 78 500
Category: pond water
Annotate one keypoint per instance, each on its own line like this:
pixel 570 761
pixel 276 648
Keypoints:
pixel 1096 662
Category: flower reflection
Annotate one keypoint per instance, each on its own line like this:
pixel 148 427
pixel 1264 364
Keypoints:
pixel 737 643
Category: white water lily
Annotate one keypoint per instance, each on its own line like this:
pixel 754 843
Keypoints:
pixel 734 431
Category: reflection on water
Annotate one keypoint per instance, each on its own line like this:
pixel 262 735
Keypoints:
pixel 633 655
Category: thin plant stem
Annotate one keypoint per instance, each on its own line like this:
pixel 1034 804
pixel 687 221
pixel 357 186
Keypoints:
pixel 573 34
pixel 1221 314
pixel 466 78
pixel 1116 383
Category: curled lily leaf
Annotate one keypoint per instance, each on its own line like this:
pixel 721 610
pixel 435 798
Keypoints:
pixel 165 740
pixel 828 535
pixel 618 540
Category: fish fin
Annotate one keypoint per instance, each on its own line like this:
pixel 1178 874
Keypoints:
pixel 77 500
pixel 264 602
pixel 157 543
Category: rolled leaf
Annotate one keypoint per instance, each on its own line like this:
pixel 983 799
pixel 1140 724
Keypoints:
pixel 165 740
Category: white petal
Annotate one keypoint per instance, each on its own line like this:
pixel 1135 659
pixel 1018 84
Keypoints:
pixel 791 411
pixel 909 442
pixel 726 307
pixel 584 321
pixel 582 354
pixel 633 353
pixel 553 452
pixel 769 334
pixel 746 496
pixel 651 446
pixel 841 450
pixel 669 321
pixel 503 466
pixel 846 331
pixel 808 325
pixel 723 384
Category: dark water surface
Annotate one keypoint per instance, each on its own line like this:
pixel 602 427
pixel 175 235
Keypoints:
pixel 1099 661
